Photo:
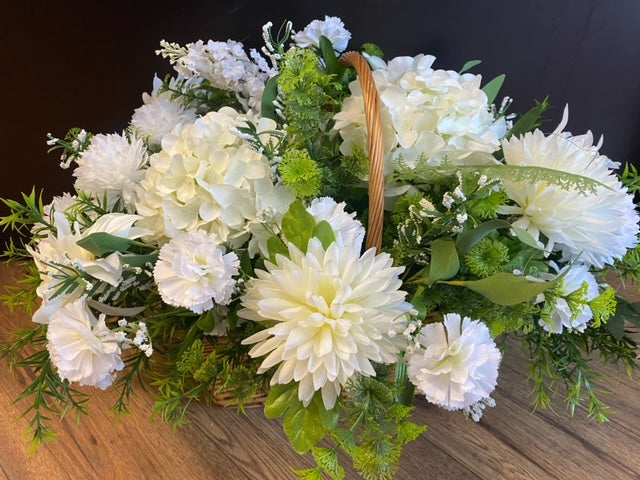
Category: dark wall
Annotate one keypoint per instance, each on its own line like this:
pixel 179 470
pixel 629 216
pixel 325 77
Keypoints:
pixel 67 64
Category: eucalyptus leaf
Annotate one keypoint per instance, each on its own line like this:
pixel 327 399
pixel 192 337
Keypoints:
pixel 269 94
pixel 134 260
pixel 275 247
pixel 334 67
pixel 530 120
pixel 444 260
pixel 526 238
pixel 298 225
pixel 506 288
pixel 207 322
pixel 323 232
pixel 115 311
pixel 493 87
pixel 102 243
pixel 468 240
pixel 469 65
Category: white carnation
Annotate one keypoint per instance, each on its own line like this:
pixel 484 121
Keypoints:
pixel 330 27
pixel 437 115
pixel 112 165
pixel 332 313
pixel 160 114
pixel 350 229
pixel 82 348
pixel 596 228
pixel 457 363
pixel 193 271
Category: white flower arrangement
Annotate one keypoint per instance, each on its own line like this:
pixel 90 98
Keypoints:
pixel 225 227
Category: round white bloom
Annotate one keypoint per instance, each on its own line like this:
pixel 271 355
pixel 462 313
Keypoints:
pixel 596 228
pixel 193 271
pixel 333 312
pixel 350 229
pixel 563 318
pixel 206 178
pixel 113 165
pixel 160 114
pixel 330 27
pixel 437 115
pixel 82 348
pixel 457 363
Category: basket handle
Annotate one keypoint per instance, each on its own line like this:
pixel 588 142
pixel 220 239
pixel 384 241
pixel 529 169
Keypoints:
pixel 374 145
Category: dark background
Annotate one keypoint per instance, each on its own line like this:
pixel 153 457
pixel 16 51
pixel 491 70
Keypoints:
pixel 68 64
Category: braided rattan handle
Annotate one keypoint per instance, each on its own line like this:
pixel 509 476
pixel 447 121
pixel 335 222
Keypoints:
pixel 376 154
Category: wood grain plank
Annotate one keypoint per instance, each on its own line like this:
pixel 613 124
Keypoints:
pixel 510 443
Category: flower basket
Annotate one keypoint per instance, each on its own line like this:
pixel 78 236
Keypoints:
pixel 216 249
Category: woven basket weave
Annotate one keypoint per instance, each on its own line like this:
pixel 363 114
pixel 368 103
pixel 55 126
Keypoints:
pixel 376 181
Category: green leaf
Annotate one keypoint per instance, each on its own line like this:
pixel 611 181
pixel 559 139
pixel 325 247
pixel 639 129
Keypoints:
pixel 101 243
pixel 327 459
pixel 309 474
pixel 323 232
pixel 279 399
pixel 530 120
pixel 307 426
pixel 505 288
pixel 372 49
pixel 269 95
pixel 493 87
pixel 134 260
pixel 298 225
pixel 467 241
pixel 526 238
pixel 207 321
pixel 276 246
pixel 334 67
pixel 625 312
pixel 444 260
pixel 418 300
pixel 469 65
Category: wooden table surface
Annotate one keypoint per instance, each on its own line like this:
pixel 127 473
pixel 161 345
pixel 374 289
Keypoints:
pixel 510 443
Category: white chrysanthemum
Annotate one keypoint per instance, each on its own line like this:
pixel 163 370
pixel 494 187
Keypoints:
pixel 457 363
pixel 332 313
pixel 426 113
pixel 208 178
pixel 227 67
pixel 330 27
pixel 596 228
pixel 59 253
pixel 82 348
pixel 563 318
pixel 160 114
pixel 350 229
pixel 193 271
pixel 113 165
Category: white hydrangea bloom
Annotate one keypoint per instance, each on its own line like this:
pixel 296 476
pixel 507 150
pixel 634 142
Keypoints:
pixel 160 114
pixel 563 318
pixel 435 114
pixel 350 229
pixel 330 27
pixel 332 312
pixel 56 253
pixel 113 165
pixel 82 348
pixel 597 229
pixel 193 271
pixel 206 177
pixel 456 364
pixel 227 66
